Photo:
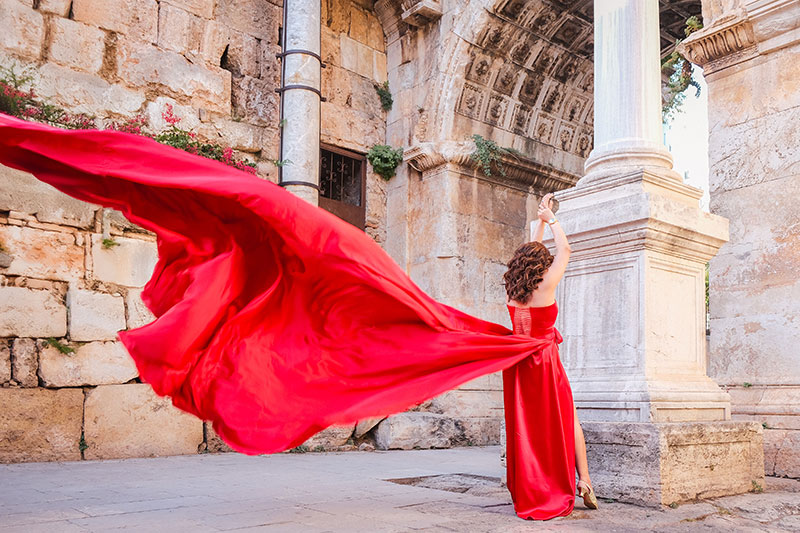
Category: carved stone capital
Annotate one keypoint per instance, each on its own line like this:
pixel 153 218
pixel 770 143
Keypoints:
pixel 757 27
pixel 729 41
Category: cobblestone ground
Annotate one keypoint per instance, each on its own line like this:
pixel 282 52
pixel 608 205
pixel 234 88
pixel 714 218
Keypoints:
pixel 434 491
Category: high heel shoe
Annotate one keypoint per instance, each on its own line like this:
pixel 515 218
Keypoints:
pixel 586 492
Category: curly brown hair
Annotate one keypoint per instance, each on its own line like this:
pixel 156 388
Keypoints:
pixel 526 270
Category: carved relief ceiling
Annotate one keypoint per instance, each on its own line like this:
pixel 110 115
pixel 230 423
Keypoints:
pixel 531 73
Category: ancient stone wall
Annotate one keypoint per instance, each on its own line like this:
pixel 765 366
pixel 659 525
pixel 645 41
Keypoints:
pixel 353 47
pixel 749 51
pixel 62 289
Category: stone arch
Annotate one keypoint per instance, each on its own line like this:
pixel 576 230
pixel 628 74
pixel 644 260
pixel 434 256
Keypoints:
pixel 517 71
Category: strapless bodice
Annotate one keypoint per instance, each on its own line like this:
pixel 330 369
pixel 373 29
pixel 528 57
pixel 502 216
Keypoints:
pixel 533 321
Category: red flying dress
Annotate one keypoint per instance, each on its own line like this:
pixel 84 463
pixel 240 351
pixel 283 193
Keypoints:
pixel 274 318
pixel 536 393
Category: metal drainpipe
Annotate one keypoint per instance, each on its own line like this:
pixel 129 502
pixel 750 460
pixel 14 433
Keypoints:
pixel 298 169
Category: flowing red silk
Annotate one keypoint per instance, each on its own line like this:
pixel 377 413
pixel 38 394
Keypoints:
pixel 274 318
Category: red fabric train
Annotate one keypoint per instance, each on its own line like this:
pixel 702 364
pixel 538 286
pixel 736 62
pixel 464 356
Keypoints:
pixel 275 319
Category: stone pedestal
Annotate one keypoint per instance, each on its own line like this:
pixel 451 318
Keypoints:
pixel 632 308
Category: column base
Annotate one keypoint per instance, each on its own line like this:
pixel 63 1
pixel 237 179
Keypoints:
pixel 654 464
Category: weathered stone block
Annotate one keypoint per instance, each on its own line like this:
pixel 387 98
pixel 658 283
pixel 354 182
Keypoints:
pixel 201 8
pixel 243 55
pixel 206 86
pixel 131 421
pixel 20 191
pixel 31 313
pixel 42 254
pixel 87 93
pixel 782 452
pixel 57 7
pixel 96 363
pixel 76 45
pixel 94 316
pixel 258 18
pixel 664 463
pixel 23 29
pixel 330 438
pixel 138 313
pixel 406 431
pixel 271 65
pixel 133 17
pixel 238 135
pixel 40 425
pixel 365 426
pixel 24 362
pixel 255 101
pixel 468 403
pixel 478 431
pixel 214 444
pixel 215 38
pixel 178 30
pixel 5 361
pixel 130 263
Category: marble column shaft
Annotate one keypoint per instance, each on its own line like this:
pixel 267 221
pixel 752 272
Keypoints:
pixel 627 89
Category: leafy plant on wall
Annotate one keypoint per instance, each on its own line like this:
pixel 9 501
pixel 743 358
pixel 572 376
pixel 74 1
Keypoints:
pixel 488 154
pixel 680 70
pixel 385 159
pixel 385 95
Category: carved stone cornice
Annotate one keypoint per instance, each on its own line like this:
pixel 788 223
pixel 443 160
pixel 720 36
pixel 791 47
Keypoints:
pixel 518 171
pixel 729 41
pixel 421 12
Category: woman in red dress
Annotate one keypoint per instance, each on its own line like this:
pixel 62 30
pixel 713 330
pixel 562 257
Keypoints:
pixel 545 442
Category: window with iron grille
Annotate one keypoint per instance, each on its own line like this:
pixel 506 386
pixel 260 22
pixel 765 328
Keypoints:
pixel 342 184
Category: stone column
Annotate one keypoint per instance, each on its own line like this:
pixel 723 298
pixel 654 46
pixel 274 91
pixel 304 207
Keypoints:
pixel 627 90
pixel 750 61
pixel 301 99
pixel 632 301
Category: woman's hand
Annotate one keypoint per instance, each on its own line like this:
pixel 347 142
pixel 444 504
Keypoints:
pixel 545 213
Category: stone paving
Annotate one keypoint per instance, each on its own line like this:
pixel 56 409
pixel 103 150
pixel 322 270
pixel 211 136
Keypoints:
pixel 454 490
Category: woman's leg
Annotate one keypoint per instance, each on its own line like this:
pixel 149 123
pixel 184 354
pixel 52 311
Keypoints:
pixel 581 464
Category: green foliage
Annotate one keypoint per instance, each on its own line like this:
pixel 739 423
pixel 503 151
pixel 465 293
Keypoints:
pixel 109 243
pixel 82 446
pixel 58 345
pixel 385 160
pixel 385 95
pixel 693 24
pixel 757 488
pixel 747 385
pixel 282 123
pixel 679 70
pixel 281 162
pixel 489 154
pixel 319 448
pixel 673 505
